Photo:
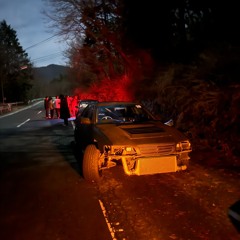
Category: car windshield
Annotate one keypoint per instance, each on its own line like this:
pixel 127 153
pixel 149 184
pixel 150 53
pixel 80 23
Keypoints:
pixel 122 114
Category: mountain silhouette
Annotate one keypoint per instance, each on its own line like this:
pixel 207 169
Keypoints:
pixel 49 73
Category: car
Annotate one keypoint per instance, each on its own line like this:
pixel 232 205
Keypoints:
pixel 127 134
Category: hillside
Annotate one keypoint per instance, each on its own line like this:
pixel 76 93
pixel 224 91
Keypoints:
pixel 51 80
pixel 50 72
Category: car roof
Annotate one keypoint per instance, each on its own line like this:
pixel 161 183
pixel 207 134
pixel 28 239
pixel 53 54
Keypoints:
pixel 107 103
pixel 88 100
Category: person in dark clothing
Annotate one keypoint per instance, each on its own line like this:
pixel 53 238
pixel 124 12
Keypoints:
pixel 46 106
pixel 64 109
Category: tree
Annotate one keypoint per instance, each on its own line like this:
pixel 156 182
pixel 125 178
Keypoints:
pixel 95 31
pixel 15 67
pixel 177 30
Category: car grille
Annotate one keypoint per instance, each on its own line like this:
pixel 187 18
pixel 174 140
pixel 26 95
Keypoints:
pixel 159 149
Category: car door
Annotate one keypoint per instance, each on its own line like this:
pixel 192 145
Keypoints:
pixel 85 127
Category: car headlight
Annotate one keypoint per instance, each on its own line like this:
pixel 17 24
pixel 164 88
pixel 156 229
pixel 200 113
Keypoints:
pixel 121 150
pixel 129 149
pixel 184 145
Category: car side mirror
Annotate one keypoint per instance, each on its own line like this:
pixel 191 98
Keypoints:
pixel 169 123
pixel 85 120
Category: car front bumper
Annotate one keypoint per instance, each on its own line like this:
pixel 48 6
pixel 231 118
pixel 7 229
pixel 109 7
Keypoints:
pixel 152 165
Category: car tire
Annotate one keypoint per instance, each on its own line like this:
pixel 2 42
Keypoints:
pixel 91 171
pixel 185 162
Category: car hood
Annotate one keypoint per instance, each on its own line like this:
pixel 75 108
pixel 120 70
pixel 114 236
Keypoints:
pixel 151 132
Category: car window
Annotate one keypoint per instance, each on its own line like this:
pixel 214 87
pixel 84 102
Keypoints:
pixel 88 112
pixel 122 113
pixel 83 104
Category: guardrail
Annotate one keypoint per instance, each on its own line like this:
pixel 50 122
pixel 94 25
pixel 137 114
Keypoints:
pixel 8 107
pixel 5 108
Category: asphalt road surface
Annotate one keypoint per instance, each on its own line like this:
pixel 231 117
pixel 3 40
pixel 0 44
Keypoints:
pixel 43 195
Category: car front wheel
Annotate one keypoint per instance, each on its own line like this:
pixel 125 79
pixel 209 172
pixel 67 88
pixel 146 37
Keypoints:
pixel 91 164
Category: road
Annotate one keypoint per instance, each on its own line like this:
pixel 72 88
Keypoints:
pixel 43 195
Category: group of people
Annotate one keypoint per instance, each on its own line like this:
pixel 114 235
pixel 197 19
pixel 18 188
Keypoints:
pixel 63 106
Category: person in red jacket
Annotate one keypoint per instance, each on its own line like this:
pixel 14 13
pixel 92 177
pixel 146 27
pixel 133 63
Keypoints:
pixel 73 106
pixel 57 104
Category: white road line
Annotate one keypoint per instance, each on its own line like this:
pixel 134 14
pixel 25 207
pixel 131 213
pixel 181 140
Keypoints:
pixel 23 123
pixel 73 124
pixel 106 219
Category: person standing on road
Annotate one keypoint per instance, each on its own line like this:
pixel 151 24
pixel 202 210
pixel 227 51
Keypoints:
pixel 46 106
pixel 57 103
pixel 51 107
pixel 64 109
pixel 74 104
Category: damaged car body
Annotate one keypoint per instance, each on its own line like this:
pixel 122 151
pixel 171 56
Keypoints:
pixel 109 133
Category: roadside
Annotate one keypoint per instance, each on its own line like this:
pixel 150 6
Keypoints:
pixel 16 108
